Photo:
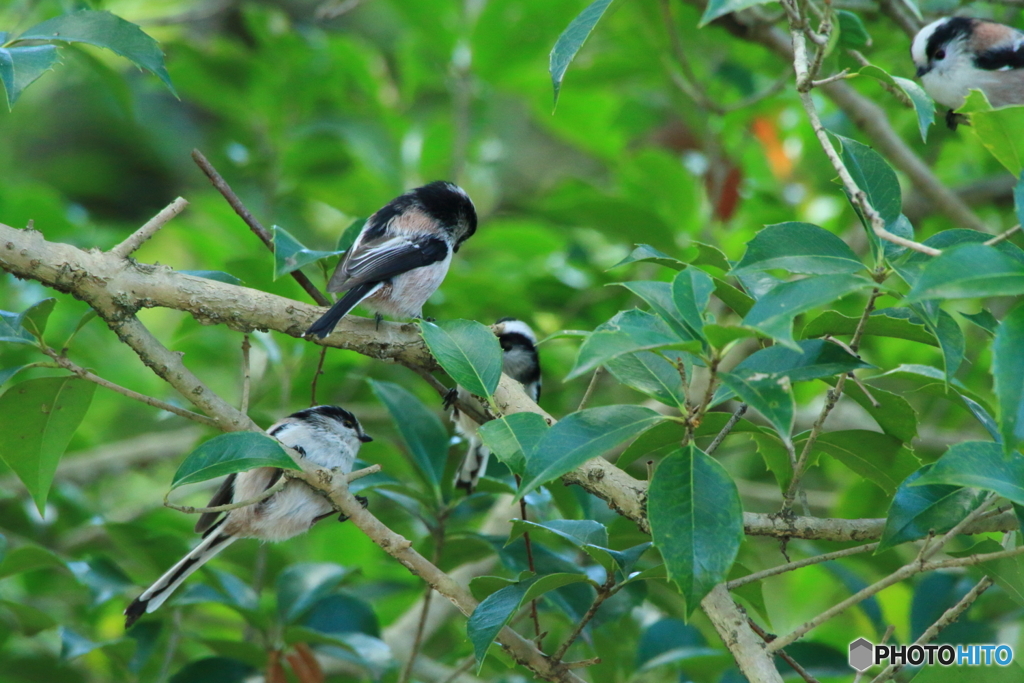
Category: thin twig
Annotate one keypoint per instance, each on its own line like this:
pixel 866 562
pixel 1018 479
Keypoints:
pixel 768 637
pixel 726 429
pixel 530 565
pixel 425 609
pixel 590 387
pixel 1002 236
pixel 244 407
pixel 947 618
pixel 604 592
pixel 141 398
pixel 688 82
pixel 227 507
pixel 316 375
pixel 845 73
pixel 790 566
pixel 582 663
pixel 150 228
pixel 250 220
pixel 467 407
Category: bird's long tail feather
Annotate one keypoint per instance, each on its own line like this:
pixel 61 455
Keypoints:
pixel 325 324
pixel 155 595
pixel 473 465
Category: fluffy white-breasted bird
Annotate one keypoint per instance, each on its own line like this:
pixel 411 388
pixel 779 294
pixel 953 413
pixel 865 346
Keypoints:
pixel 521 362
pixel 324 436
pixel 956 54
pixel 401 255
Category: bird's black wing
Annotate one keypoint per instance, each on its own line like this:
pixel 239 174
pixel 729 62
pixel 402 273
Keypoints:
pixel 223 496
pixel 381 259
pixel 1002 58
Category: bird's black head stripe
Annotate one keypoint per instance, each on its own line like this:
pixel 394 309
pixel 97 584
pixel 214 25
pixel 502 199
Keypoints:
pixel 955 29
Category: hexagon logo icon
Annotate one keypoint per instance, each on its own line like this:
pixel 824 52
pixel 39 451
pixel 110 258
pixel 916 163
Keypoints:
pixel 862 654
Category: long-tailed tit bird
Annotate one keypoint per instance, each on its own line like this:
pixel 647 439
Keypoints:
pixel 401 255
pixel 324 436
pixel 520 362
pixel 956 54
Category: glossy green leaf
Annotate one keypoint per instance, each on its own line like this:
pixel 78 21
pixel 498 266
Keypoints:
pixel 719 8
pixel 892 412
pixel 776 458
pixel 696 521
pixel 980 464
pixel 924 107
pixel 421 430
pixel 873 175
pixel 213 670
pixel 899 323
pixel 37 420
pixel 495 611
pixel 691 291
pixel 572 39
pixel 645 253
pixel 710 255
pixel 7 373
pixel 35 317
pixel 656 442
pixel 468 351
pixel 628 332
pixel 967 271
pixel 301 585
pixel 580 436
pixel 769 394
pixel 913 264
pixel 741 302
pixel 659 296
pixel 798 248
pixel 998 130
pixel 105 30
pixel 917 510
pixel 513 438
pixel 650 374
pixel 229 453
pixel 879 458
pixel 12 331
pixel 30 619
pixel 28 558
pixel 20 66
pixel 579 532
pixel 290 254
pixel 773 313
pixel 1008 377
pixel 983 319
pixel 852 32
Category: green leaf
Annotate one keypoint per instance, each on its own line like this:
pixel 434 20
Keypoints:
pixel 659 296
pixel 998 130
pixel 350 234
pixel 916 510
pixel 951 341
pixel 513 438
pixel 35 317
pixel 911 266
pixel 776 458
pixel 1018 198
pixel 968 271
pixel 658 441
pixel 852 33
pixel 1008 378
pixel 28 558
pixel 7 373
pixel 691 291
pixel 774 312
pixel 105 30
pixel 300 586
pixel 628 332
pixel 21 66
pixel 710 255
pixel 798 248
pixel 899 323
pixel 421 430
pixel 980 464
pixel 216 275
pixel 37 420
pixel 495 611
pixel 12 331
pixel 893 413
pixel 229 453
pixel 290 254
pixel 213 670
pixel 719 8
pixel 741 302
pixel 579 532
pixel 650 374
pixel 645 253
pixel 30 620
pixel 769 394
pixel 924 107
pixel 879 458
pixel 581 436
pixel 983 319
pixel 696 521
pixel 468 351
pixel 873 175
pixel 572 39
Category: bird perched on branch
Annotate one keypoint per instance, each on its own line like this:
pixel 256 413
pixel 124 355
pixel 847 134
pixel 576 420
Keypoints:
pixel 401 255
pixel 521 362
pixel 957 54
pixel 324 436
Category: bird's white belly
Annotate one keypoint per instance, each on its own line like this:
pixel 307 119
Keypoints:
pixel 405 295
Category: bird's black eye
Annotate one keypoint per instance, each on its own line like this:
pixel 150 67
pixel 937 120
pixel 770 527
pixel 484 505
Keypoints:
pixel 941 54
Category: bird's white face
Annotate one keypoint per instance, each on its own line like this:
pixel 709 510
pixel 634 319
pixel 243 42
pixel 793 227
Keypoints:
pixel 949 74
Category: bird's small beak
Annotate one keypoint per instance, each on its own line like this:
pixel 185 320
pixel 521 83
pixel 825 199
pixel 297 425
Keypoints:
pixel 922 70
pixel 365 438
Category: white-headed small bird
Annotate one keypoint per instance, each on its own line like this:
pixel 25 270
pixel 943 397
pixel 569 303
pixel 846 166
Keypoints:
pixel 324 436
pixel 401 255
pixel 521 362
pixel 957 54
